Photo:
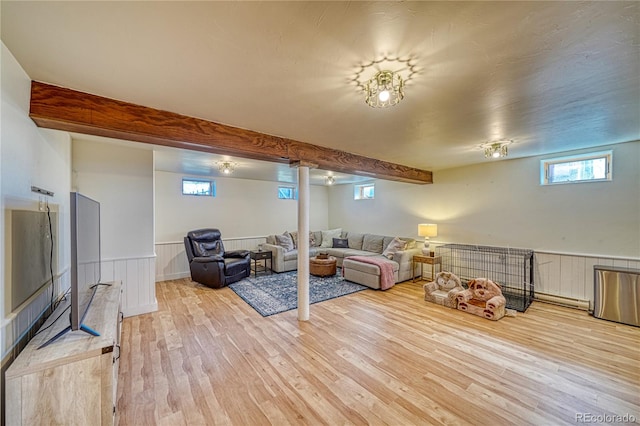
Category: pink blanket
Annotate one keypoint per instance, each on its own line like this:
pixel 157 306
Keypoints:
pixel 387 280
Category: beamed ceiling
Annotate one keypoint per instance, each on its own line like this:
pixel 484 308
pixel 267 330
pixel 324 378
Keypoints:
pixel 551 76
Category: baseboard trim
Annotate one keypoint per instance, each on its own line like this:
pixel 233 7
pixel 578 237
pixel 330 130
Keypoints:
pixel 139 310
pixel 583 305
pixel 174 276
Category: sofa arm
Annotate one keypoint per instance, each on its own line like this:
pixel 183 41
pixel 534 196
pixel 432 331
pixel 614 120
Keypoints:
pixel 496 302
pixel 405 256
pixel 464 296
pixel 453 293
pixel 277 256
pixel 237 253
pixel 430 287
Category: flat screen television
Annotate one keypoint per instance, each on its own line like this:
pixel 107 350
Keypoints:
pixel 85 261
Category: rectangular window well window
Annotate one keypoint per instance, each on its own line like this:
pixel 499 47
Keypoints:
pixel 364 192
pixel 287 192
pixel 198 187
pixel 590 167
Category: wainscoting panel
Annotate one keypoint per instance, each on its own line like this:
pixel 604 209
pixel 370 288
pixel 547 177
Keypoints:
pixel 138 283
pixel 20 325
pixel 249 243
pixel 570 276
pixel 171 260
pixel 566 277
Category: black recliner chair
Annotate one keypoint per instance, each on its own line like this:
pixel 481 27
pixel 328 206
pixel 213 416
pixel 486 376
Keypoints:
pixel 210 264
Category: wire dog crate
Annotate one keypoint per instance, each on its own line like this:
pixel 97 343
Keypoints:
pixel 511 268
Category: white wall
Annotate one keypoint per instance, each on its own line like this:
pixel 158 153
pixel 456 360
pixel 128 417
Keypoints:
pixel 391 212
pixel 571 227
pixel 241 208
pixel 245 211
pixel 121 179
pixel 502 203
pixel 29 156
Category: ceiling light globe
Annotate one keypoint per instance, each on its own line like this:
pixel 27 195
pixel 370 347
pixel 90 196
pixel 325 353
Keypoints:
pixel 495 154
pixel 384 96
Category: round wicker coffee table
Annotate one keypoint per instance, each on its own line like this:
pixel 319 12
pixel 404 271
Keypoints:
pixel 322 267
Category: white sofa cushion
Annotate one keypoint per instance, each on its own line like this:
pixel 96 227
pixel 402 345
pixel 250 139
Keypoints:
pixel 355 240
pixel 328 236
pixel 345 252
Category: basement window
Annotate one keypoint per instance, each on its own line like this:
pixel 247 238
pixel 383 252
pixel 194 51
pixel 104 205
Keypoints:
pixel 198 187
pixel 287 192
pixel 590 167
pixel 364 192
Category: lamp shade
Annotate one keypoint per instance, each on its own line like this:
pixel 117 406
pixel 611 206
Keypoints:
pixel 427 229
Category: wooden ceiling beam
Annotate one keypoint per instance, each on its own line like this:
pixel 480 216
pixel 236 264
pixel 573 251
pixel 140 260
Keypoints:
pixel 59 108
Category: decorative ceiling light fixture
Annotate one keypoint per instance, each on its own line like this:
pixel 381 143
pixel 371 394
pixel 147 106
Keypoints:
pixel 226 167
pixel 330 180
pixel 496 149
pixel 383 80
pixel 384 89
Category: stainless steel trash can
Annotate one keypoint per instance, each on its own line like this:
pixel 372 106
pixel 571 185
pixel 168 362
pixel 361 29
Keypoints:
pixel 617 294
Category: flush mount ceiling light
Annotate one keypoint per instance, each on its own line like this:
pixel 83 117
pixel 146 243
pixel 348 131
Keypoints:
pixel 496 149
pixel 384 80
pixel 226 167
pixel 384 89
pixel 330 180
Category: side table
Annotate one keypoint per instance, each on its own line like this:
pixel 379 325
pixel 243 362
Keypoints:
pixel 429 260
pixel 261 256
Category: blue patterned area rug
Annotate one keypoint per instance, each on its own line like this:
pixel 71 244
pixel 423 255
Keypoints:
pixel 275 293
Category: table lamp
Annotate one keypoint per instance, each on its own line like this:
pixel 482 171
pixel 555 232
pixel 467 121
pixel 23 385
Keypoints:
pixel 427 230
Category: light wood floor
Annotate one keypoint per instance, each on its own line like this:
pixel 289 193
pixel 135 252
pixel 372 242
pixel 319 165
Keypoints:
pixel 206 357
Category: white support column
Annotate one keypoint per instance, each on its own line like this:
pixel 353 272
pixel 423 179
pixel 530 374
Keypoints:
pixel 303 243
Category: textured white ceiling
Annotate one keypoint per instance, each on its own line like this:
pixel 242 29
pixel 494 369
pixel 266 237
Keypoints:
pixel 552 76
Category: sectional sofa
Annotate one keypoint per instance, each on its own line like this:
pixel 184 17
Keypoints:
pixel 342 244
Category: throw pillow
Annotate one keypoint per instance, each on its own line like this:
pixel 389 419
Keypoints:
pixel 328 236
pixel 294 237
pixel 394 246
pixel 285 241
pixel 340 243
pixel 411 243
pixel 317 238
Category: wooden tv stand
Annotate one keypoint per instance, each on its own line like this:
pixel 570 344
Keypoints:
pixel 74 379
